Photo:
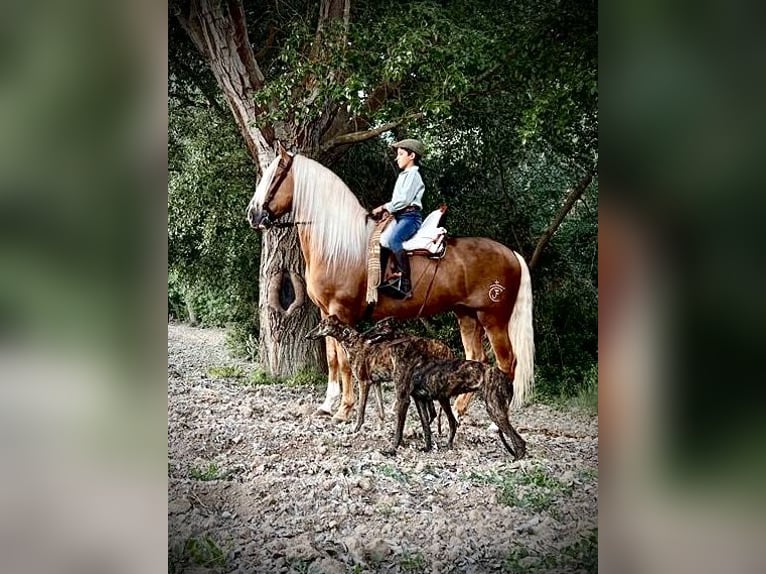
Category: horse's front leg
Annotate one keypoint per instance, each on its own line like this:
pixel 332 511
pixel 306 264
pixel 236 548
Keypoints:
pixel 333 377
pixel 347 387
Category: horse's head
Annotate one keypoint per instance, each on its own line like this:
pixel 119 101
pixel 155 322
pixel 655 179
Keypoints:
pixel 274 195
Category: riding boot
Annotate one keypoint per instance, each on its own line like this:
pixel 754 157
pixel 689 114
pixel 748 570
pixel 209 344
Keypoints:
pixel 403 262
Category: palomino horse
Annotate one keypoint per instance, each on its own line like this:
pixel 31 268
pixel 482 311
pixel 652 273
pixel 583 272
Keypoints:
pixel 483 282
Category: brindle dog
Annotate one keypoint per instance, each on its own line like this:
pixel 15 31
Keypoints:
pixel 387 330
pixel 441 379
pixel 373 360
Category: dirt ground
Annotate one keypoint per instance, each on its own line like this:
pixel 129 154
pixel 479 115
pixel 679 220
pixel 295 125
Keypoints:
pixel 258 483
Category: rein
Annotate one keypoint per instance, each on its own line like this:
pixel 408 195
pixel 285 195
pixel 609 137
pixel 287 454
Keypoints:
pixel 282 224
pixel 428 291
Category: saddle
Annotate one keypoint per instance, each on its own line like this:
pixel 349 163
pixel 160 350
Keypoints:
pixel 429 239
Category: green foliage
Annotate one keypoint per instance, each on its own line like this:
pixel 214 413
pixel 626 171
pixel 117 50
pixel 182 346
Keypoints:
pixel 211 472
pixel 307 378
pixel 580 556
pixel 413 562
pixel 533 488
pixel 204 552
pixel 242 340
pixel 212 252
pixel 262 378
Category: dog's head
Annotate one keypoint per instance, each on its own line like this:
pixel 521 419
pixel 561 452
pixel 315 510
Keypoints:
pixel 382 330
pixel 329 327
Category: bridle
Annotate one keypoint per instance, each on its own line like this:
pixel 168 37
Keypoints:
pixel 276 183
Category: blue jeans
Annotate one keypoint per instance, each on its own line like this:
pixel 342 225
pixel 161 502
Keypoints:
pixel 405 227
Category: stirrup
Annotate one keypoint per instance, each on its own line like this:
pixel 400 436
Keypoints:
pixel 393 289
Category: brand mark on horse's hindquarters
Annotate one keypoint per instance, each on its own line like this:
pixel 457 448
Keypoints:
pixel 496 291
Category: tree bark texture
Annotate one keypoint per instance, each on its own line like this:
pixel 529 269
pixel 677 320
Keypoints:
pixel 286 313
pixel 219 31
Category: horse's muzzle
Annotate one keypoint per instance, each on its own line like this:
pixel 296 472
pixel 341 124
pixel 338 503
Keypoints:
pixel 258 219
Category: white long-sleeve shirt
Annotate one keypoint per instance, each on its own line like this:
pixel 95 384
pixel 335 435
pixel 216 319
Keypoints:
pixel 408 190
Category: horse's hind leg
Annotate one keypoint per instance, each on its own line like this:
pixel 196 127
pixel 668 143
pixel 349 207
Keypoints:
pixel 497 333
pixel 471 332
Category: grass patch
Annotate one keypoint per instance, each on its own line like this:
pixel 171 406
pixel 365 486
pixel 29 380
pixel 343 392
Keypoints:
pixel 303 378
pixel 385 509
pixel 583 397
pixel 306 378
pixel 482 478
pixel 412 562
pixel 392 472
pixel 586 398
pixel 534 489
pixel 212 472
pixel 226 372
pixel 580 556
pixel 203 552
pixel 588 474
pixel 299 567
pixel 262 378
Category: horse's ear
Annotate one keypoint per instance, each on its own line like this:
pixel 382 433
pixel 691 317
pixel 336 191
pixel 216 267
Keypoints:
pixel 280 149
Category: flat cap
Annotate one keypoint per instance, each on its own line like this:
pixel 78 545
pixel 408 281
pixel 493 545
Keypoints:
pixel 412 145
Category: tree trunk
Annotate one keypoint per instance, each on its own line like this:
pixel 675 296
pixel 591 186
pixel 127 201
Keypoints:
pixel 569 202
pixel 285 309
pixel 218 30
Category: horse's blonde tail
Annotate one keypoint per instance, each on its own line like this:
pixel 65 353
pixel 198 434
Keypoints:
pixel 522 335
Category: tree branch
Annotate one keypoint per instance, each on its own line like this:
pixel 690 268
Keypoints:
pixel 571 199
pixel 356 137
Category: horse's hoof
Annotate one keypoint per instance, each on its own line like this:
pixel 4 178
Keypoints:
pixel 320 412
pixel 343 415
pixel 388 451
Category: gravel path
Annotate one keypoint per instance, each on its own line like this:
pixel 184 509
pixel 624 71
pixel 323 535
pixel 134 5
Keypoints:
pixel 258 483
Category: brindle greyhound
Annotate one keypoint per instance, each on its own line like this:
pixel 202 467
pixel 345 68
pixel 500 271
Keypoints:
pixel 442 379
pixel 373 358
pixel 437 379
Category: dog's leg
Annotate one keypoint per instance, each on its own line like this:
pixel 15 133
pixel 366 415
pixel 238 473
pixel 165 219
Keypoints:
pixel 379 398
pixel 402 404
pixel 444 402
pixel 498 392
pixel 425 419
pixel 364 390
pixel 431 411
pixel 507 446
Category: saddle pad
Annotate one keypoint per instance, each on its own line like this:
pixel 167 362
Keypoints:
pixel 428 240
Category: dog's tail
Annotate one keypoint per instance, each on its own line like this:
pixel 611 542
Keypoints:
pixel 522 336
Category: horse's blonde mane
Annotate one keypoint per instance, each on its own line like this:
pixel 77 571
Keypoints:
pixel 339 229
